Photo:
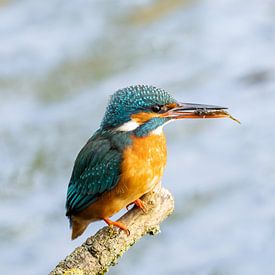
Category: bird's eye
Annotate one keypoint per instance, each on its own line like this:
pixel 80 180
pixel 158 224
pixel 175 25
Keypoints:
pixel 156 108
pixel 159 108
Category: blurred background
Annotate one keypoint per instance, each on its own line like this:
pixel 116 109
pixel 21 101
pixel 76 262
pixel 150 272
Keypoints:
pixel 59 62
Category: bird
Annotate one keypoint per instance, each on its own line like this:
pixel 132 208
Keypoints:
pixel 125 158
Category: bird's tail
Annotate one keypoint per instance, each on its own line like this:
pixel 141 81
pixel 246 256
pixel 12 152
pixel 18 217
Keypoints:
pixel 78 227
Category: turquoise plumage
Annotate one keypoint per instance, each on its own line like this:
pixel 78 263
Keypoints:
pixel 132 100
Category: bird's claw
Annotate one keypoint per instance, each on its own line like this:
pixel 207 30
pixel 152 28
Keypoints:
pixel 139 204
pixel 117 224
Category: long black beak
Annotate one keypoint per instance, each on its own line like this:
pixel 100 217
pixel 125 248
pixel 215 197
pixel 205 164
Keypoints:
pixel 198 107
pixel 191 110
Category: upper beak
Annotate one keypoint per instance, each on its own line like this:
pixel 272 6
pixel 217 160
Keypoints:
pixel 190 110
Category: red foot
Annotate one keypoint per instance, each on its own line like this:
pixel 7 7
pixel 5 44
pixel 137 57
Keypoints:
pixel 139 204
pixel 120 225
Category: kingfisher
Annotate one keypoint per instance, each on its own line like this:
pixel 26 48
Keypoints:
pixel 125 158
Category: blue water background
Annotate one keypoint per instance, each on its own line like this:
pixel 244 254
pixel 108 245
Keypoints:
pixel 59 62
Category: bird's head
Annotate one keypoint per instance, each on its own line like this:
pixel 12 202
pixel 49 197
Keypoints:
pixel 144 109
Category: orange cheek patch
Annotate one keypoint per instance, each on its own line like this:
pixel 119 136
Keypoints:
pixel 143 117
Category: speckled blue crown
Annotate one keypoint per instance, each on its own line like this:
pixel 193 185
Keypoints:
pixel 133 99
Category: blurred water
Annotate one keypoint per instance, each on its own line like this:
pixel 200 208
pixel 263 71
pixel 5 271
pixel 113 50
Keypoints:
pixel 60 60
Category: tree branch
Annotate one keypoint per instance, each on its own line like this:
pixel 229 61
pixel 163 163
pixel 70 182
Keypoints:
pixel 102 250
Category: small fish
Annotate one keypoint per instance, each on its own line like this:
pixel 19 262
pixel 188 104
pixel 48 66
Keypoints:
pixel 215 113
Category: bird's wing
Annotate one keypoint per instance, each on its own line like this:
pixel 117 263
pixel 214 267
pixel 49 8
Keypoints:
pixel 96 170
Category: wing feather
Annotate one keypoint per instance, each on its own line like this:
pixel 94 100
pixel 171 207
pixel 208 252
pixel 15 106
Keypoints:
pixel 96 170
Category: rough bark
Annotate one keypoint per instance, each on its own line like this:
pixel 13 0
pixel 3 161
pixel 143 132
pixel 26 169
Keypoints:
pixel 102 250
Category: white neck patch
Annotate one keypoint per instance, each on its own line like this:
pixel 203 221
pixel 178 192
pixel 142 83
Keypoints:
pixel 132 125
pixel 158 131
pixel 128 126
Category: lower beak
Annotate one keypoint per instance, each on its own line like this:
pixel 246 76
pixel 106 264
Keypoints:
pixel 190 110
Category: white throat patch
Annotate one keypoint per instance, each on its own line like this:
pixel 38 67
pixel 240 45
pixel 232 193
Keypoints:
pixel 158 131
pixel 128 126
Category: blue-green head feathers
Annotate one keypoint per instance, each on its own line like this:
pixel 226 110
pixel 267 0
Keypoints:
pixel 131 100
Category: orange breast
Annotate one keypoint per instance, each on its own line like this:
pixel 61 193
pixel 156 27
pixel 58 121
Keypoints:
pixel 143 165
pixel 142 168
